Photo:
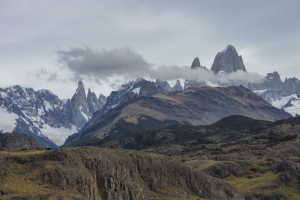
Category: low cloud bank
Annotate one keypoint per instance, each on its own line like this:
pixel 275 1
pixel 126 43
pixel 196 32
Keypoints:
pixel 127 63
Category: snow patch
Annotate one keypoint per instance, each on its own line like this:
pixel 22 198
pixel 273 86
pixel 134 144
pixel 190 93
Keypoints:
pixel 260 91
pixel 137 90
pixel 84 115
pixel 58 135
pixel 295 108
pixel 3 95
pixel 8 120
pixel 280 103
pixel 47 105
pixel 211 84
pixel 113 106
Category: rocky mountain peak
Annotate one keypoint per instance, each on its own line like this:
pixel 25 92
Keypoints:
pixel 229 49
pixel 93 102
pixel 228 61
pixel 274 81
pixel 80 84
pixel 196 63
pixel 177 86
pixel 80 107
pixel 164 85
pixel 273 76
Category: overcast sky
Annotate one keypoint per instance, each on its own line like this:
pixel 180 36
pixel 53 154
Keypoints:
pixel 52 44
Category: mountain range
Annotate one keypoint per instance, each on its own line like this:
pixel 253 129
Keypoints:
pixel 141 102
pixel 43 115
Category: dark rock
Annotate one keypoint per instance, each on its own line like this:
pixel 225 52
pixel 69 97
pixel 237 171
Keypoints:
pixel 228 61
pixel 177 87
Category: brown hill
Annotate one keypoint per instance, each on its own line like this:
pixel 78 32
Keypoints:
pixel 104 174
pixel 194 106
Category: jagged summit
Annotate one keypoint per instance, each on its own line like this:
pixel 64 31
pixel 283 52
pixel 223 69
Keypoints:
pixel 229 48
pixel 80 84
pixel 196 63
pixel 228 61
pixel 177 86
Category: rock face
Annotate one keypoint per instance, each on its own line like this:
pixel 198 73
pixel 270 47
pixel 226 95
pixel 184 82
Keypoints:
pixel 43 115
pixel 193 106
pixel 177 87
pixel 150 89
pixel 164 85
pixel 228 61
pixel 80 107
pixel 106 174
pixel 102 101
pixel 196 63
pixel 167 88
pixel 14 141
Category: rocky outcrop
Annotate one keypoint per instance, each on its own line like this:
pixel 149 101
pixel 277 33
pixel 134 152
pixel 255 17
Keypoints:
pixel 273 81
pixel 106 174
pixel 93 102
pixel 177 87
pixel 149 89
pixel 196 63
pixel 228 61
pixel 164 85
pixel 102 100
pixel 13 141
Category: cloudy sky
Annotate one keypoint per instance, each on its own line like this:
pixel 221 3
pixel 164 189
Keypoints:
pixel 53 44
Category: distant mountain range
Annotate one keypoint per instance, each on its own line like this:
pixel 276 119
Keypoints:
pixel 145 104
pixel 193 106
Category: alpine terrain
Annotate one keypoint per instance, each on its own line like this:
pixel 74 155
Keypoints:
pixel 43 115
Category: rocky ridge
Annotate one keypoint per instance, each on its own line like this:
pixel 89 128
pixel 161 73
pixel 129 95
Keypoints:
pixel 104 174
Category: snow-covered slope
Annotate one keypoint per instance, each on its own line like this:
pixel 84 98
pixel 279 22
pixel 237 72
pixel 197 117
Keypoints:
pixel 43 115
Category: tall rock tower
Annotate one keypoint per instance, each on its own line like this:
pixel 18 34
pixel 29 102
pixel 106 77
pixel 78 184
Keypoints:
pixel 228 61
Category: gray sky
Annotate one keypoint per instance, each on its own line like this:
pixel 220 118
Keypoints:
pixel 51 44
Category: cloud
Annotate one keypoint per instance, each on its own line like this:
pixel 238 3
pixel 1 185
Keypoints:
pixel 103 64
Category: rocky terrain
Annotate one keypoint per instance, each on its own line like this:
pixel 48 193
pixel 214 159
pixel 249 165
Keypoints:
pixel 94 173
pixel 14 141
pixel 260 158
pixel 193 106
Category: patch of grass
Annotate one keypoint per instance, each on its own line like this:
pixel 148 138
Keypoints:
pixel 207 164
pixel 250 185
